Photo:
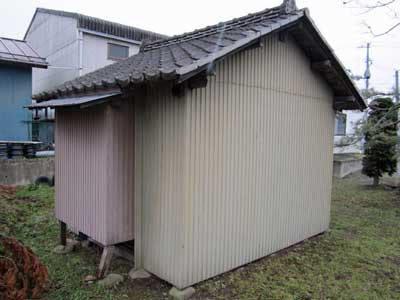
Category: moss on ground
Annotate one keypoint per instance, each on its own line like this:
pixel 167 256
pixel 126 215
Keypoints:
pixel 359 258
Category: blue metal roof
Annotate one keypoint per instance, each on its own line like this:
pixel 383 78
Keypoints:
pixel 20 52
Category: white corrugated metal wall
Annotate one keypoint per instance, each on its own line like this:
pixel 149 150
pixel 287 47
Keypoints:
pixel 161 182
pixel 237 170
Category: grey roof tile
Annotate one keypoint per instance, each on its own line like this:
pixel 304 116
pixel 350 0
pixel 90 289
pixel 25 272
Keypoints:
pixel 163 59
pixel 181 56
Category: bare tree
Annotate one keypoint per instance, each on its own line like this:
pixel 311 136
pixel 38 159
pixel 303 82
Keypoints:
pixel 368 6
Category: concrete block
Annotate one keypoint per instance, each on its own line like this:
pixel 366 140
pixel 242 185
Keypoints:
pixel 111 280
pixel 71 246
pixel 182 294
pixel 138 274
pixel 25 171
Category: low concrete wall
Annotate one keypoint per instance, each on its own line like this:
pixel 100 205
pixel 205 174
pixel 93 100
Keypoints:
pixel 344 165
pixel 25 171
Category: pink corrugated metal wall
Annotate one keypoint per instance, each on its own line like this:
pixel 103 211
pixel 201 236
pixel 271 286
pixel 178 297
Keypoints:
pixel 94 171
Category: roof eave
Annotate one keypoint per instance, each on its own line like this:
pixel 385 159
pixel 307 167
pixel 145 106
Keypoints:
pixel 23 63
pixel 337 64
pixel 189 71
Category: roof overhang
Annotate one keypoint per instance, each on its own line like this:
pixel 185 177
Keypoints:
pixel 80 102
pixel 24 63
pixel 296 23
pixel 322 57
pixel 324 61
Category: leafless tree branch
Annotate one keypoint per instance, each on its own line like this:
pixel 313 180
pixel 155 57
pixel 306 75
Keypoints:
pixel 368 8
pixel 385 32
pixel 379 4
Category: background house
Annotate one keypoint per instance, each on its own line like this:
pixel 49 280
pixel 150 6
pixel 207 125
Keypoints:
pixel 210 149
pixel 17 58
pixel 345 127
pixel 74 45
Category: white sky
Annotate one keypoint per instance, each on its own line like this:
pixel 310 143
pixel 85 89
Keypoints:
pixel 341 26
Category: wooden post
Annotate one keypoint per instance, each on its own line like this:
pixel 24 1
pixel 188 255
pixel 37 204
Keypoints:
pixel 105 261
pixel 63 233
pixel 82 236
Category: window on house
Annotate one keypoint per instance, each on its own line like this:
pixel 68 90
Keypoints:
pixel 117 52
pixel 35 131
pixel 340 124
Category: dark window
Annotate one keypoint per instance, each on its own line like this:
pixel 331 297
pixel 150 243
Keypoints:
pixel 340 124
pixel 117 52
pixel 35 131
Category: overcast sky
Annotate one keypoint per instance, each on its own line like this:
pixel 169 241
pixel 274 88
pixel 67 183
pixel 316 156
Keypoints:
pixel 342 26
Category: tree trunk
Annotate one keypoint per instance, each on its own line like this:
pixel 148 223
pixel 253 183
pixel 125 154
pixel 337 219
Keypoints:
pixel 376 180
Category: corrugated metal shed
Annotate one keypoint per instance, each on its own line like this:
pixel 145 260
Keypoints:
pixel 20 52
pixel 236 166
pixel 237 170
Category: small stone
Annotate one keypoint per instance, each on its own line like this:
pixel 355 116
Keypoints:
pixel 138 274
pixel 75 244
pixel 86 244
pixel 71 246
pixel 181 294
pixel 60 249
pixel 111 280
pixel 89 279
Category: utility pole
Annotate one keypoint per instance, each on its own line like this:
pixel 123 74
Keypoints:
pixel 367 74
pixel 396 97
pixel 396 87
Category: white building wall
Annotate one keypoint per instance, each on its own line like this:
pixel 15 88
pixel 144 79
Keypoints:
pixel 55 38
pixel 235 171
pixel 69 52
pixel 95 51
pixel 352 119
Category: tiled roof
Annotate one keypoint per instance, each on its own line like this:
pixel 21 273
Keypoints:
pixel 103 26
pixel 180 54
pixel 180 57
pixel 20 52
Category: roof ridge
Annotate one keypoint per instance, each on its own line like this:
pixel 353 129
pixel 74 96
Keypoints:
pixel 278 10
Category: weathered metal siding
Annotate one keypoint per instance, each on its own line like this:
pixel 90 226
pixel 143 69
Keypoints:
pixel 94 171
pixel 249 175
pixel 80 181
pixel 120 173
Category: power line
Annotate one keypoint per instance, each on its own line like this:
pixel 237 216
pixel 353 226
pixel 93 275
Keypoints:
pixel 396 86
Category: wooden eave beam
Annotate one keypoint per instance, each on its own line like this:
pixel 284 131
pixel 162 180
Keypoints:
pixel 322 66
pixel 198 81
pixel 345 102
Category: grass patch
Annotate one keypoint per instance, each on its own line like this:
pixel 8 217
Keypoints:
pixel 359 258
